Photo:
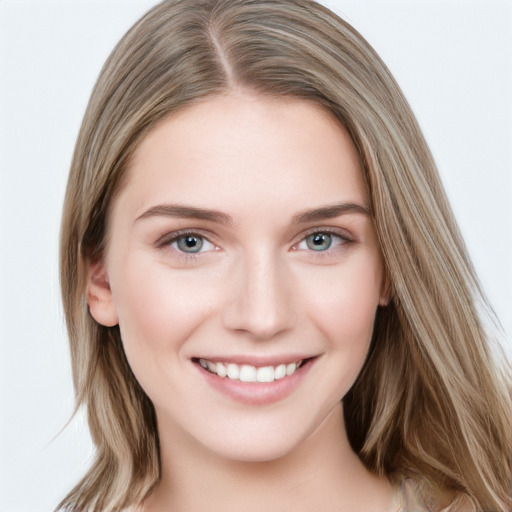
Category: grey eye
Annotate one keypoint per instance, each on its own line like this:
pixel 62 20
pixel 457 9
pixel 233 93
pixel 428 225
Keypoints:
pixel 319 241
pixel 189 243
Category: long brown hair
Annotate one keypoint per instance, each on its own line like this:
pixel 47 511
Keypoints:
pixel 431 402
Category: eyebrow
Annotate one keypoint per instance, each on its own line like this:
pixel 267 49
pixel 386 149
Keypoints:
pixel 192 212
pixel 186 212
pixel 330 212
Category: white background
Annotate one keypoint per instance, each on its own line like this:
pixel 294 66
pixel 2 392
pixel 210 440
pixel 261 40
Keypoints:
pixel 453 58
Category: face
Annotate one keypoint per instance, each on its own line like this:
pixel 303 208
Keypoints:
pixel 244 272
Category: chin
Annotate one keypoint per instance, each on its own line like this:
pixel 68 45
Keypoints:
pixel 266 439
pixel 265 449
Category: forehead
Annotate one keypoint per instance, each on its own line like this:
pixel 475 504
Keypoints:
pixel 241 150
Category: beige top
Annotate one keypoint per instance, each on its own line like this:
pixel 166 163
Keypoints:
pixel 409 498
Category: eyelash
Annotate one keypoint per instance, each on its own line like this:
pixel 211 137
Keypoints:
pixel 171 238
pixel 342 235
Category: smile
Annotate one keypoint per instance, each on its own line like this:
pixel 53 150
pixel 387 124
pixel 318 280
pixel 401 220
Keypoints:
pixel 261 383
pixel 249 373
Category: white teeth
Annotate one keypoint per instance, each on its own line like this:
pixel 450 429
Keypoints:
pixel 280 371
pixel 233 371
pixel 265 374
pixel 249 373
pixel 221 370
pixel 290 368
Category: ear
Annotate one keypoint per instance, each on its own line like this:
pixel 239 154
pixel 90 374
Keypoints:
pixel 385 292
pixel 99 295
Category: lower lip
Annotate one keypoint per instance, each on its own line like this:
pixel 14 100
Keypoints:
pixel 257 393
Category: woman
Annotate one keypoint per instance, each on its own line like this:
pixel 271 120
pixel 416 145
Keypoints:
pixel 264 286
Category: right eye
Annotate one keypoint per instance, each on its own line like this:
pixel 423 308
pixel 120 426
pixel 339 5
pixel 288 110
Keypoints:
pixel 191 243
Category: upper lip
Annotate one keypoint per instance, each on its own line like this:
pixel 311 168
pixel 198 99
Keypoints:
pixel 257 360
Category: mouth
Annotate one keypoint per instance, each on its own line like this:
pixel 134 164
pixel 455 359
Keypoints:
pixel 264 382
pixel 249 373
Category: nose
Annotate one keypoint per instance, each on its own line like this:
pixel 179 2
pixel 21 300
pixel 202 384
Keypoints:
pixel 259 298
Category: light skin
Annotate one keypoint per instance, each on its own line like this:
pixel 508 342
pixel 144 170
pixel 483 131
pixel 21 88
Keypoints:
pixel 242 235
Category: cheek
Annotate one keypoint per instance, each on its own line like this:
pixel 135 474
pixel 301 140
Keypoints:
pixel 345 315
pixel 343 304
pixel 158 309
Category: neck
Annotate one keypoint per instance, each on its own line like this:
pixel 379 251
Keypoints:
pixel 321 472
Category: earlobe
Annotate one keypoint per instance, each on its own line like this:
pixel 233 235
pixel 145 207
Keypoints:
pixel 385 294
pixel 384 300
pixel 99 295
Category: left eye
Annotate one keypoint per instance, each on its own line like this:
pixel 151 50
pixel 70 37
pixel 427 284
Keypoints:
pixel 192 244
pixel 320 242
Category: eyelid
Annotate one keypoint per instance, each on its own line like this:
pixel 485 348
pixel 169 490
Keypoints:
pixel 340 232
pixel 171 237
